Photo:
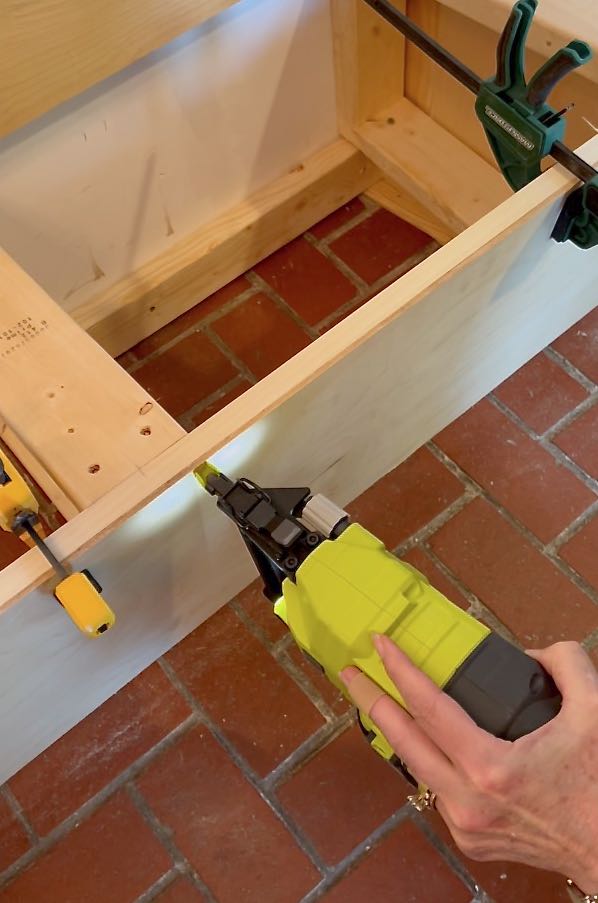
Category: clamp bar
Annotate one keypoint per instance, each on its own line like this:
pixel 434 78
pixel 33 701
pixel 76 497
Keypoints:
pixel 572 162
pixel 26 522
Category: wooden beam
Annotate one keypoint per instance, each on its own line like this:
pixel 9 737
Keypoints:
pixel 336 417
pixel 81 424
pixel 369 59
pixel 52 50
pixel 404 205
pixel 216 253
pixel 425 160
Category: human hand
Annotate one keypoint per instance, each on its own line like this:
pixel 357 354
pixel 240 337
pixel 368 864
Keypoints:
pixel 533 801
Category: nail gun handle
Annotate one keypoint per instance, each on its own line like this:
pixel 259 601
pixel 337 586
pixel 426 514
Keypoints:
pixel 506 692
pixel 576 54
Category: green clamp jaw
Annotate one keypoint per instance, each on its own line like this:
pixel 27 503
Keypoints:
pixel 519 123
pixel 578 221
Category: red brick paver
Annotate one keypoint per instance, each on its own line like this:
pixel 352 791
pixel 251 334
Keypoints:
pixel 343 785
pixel 261 334
pixel 94 752
pixel 580 441
pixel 581 552
pixel 218 663
pixel 403 867
pixel 113 855
pixel 541 393
pixel 515 470
pixel 380 244
pixel 217 811
pixel 181 891
pixel 221 825
pixel 307 280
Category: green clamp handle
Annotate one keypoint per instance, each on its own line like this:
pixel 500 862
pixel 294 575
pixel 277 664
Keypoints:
pixel 578 221
pixel 521 127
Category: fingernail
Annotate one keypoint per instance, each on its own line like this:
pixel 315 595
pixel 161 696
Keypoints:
pixel 378 641
pixel 347 675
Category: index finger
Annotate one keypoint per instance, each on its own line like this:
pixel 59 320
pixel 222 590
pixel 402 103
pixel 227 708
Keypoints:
pixel 439 717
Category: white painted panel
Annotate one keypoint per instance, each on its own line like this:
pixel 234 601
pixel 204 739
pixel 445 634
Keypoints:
pixel 98 187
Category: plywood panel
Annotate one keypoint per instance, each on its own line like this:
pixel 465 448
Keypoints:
pixel 93 191
pixel 51 50
pixel 336 417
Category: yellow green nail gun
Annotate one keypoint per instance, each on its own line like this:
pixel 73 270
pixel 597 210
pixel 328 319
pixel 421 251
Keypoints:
pixel 334 584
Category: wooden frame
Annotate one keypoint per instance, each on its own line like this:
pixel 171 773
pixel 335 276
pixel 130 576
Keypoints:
pixel 337 416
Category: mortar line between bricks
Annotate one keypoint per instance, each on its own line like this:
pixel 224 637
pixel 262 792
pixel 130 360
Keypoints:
pixel 160 885
pixel 573 528
pixel 248 773
pixel 571 417
pixel 339 264
pixel 306 751
pixel 266 289
pixel 359 852
pixel 185 419
pixel 303 682
pixel 447 854
pixel 198 326
pixel 221 345
pixel 387 278
pixel 253 627
pixel 90 806
pixel 524 531
pixel 570 369
pixel 547 445
pixel 372 290
pixel 357 220
pixel 280 653
pixel 447 514
pixel 20 814
pixel 280 645
pixel 591 641
pixel 164 836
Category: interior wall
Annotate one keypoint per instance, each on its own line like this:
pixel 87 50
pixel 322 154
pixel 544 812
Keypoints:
pixel 99 186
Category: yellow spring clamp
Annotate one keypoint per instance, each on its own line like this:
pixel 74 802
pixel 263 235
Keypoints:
pixel 78 593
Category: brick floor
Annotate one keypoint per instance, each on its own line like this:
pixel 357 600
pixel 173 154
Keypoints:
pixel 232 772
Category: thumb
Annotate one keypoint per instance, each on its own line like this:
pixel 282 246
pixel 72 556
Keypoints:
pixel 571 668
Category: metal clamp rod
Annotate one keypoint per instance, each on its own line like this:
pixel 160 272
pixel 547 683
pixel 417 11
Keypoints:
pixel 570 160
pixel 60 569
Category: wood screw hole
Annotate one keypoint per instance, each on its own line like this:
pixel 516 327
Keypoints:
pixel 71 429
pixel 152 308
pixel 146 430
pixel 391 120
pixel 94 468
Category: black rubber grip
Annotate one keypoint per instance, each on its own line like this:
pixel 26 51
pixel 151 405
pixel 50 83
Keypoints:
pixel 506 692
pixel 541 87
